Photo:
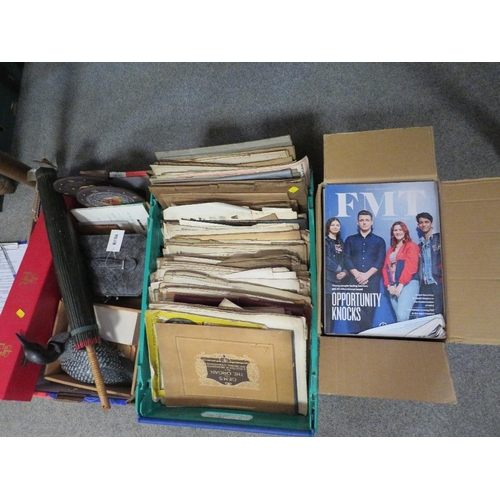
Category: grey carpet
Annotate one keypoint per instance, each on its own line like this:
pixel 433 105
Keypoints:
pixel 116 115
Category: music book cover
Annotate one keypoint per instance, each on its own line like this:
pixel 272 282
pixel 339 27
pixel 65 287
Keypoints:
pixel 157 316
pixel 228 367
pixel 382 265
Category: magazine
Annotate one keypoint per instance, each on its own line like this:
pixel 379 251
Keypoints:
pixel 382 260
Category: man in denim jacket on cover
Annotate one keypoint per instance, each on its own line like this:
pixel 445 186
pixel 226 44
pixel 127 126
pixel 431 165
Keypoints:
pixel 430 264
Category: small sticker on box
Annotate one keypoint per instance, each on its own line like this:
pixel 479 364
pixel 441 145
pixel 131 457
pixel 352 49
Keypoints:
pixel 293 189
pixel 115 240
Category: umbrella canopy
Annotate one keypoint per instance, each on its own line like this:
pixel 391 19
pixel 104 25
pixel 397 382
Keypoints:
pixel 71 273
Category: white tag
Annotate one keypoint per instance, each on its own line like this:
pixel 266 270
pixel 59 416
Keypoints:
pixel 115 240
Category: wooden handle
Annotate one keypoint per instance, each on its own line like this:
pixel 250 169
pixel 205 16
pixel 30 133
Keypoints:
pixel 14 169
pixel 96 372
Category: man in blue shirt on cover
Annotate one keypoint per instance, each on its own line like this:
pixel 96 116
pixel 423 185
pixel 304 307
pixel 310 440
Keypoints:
pixel 430 265
pixel 364 254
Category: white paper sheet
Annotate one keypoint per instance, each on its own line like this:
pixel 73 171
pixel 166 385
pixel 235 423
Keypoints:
pixel 11 256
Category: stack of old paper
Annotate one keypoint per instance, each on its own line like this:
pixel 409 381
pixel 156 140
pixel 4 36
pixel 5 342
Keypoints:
pixel 266 171
pixel 233 279
pixel 268 159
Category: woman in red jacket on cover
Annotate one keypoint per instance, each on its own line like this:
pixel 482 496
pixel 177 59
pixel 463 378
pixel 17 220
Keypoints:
pixel 400 271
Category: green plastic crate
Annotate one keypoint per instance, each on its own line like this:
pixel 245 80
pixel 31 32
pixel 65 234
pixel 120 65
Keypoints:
pixel 151 412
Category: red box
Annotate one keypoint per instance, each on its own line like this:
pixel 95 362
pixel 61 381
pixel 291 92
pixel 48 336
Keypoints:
pixel 30 310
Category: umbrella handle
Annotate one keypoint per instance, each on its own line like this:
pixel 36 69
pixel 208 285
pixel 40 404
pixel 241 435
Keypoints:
pixel 96 372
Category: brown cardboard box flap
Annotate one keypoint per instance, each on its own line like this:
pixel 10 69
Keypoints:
pixel 385 368
pixel 380 156
pixel 471 257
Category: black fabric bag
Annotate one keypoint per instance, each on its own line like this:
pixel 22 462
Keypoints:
pixel 115 274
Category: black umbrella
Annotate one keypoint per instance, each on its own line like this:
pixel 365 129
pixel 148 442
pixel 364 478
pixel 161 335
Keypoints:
pixel 71 274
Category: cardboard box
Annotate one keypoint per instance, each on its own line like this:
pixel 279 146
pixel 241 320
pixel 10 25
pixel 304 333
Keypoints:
pixel 415 370
pixel 31 310
pixel 66 385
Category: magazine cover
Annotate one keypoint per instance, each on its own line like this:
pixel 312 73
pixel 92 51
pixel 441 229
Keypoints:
pixel 382 272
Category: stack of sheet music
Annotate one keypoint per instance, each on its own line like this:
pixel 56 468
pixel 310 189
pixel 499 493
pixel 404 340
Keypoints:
pixel 234 278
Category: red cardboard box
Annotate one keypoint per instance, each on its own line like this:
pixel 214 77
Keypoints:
pixel 30 310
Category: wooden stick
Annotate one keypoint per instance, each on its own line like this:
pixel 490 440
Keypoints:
pixel 96 372
pixel 14 169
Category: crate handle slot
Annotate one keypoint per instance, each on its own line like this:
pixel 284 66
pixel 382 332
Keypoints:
pixel 227 416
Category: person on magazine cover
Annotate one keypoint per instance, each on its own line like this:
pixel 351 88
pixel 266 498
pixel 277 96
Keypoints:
pixel 400 271
pixel 364 254
pixel 335 271
pixel 430 266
